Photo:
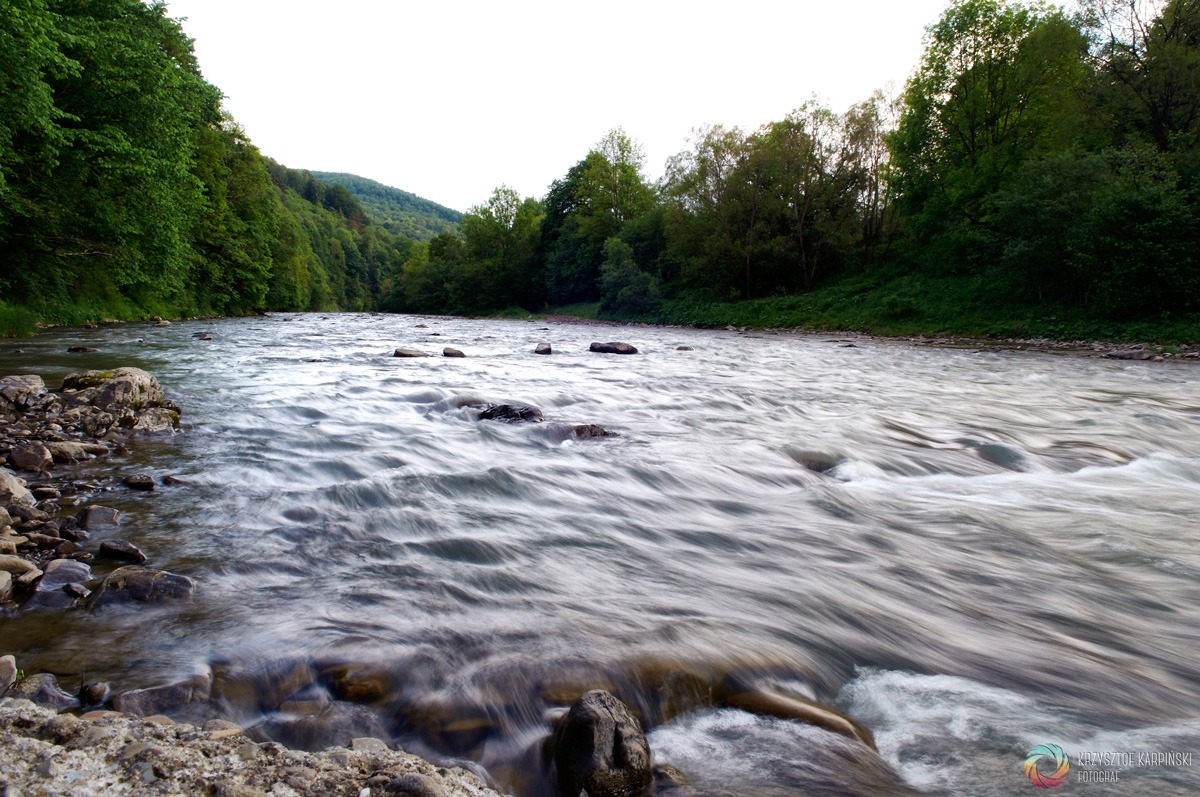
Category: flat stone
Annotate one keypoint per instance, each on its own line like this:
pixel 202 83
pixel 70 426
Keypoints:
pixel 61 572
pixel 75 452
pixel 99 517
pixel 511 413
pixel 451 352
pixel 134 584
pixel 121 551
pixel 161 699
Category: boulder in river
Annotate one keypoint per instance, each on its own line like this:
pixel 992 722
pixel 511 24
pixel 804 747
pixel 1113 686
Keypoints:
pixel 18 394
pixel 543 348
pixel 8 673
pixel 614 347
pixel 409 353
pixel 121 551
pixel 600 749
pixel 452 352
pixel 134 584
pixel 587 431
pixel 511 413
pixel 68 451
pixel 139 481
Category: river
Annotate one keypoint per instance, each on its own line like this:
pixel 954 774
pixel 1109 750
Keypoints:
pixel 970 552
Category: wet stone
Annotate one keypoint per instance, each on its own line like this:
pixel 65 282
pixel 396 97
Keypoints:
pixel 409 353
pixel 543 348
pixel 133 584
pixel 121 551
pixel 614 347
pixel 61 572
pixel 31 458
pixel 451 352
pixel 44 690
pixel 511 413
pixel 601 749
pixel 99 517
pixel 140 481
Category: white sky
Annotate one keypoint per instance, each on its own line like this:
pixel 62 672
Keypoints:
pixel 450 99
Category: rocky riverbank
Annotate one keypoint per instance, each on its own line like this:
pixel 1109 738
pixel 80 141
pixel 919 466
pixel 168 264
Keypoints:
pixel 105 753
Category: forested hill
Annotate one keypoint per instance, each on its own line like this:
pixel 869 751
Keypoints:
pixel 125 191
pixel 397 211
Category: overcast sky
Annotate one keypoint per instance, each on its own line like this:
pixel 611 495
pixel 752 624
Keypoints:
pixel 450 99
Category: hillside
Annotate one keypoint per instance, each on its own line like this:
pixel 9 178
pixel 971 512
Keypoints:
pixel 397 211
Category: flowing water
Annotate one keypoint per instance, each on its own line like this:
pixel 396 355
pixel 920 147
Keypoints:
pixel 972 553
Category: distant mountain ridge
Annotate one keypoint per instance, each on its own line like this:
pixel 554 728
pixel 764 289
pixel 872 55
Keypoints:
pixel 397 211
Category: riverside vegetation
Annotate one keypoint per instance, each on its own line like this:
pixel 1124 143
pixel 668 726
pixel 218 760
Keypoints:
pixel 1037 176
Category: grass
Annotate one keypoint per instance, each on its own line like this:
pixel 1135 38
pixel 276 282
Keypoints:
pixel 922 305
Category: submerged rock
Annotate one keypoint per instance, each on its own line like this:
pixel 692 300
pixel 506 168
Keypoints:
pixel 600 749
pixel 511 413
pixel 337 725
pixel 133 584
pixel 409 353
pixel 788 706
pixel 99 517
pixel 587 431
pixel 614 347
pixel 140 481
pixel 164 699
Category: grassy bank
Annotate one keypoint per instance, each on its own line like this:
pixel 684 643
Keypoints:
pixel 919 304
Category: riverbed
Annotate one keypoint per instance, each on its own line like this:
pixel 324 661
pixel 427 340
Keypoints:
pixel 970 552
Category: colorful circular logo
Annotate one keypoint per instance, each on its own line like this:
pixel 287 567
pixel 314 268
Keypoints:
pixel 1056 757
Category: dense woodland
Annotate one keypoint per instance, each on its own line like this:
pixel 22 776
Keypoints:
pixel 1039 165
pixel 1038 172
pixel 125 191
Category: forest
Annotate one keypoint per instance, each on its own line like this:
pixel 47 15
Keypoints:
pixel 125 191
pixel 1037 174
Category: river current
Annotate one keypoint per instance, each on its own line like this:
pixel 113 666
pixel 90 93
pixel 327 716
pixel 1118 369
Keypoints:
pixel 971 552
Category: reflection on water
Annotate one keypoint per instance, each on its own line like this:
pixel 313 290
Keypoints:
pixel 974 553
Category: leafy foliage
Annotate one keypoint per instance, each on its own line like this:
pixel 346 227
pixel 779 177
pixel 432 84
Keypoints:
pixel 398 212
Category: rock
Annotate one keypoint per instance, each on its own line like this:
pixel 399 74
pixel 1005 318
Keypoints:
pixel 12 490
pixel 162 322
pixel 174 481
pixel 44 690
pixel 121 551
pixel 613 348
pixel 19 567
pixel 6 588
pixel 600 749
pixel 99 517
pixel 164 699
pixel 788 706
pixel 5 518
pixel 414 785
pixel 134 584
pixel 1130 354
pixel 93 693
pixel 543 348
pixel 46 493
pixel 61 572
pixel 449 352
pixel 105 753
pixel 202 336
pixel 75 452
pixel 31 458
pixel 409 353
pixel 81 349
pixel 121 387
pixel 19 393
pixel 8 673
pixel 155 420
pixel 338 725
pixel 140 481
pixel 511 413
pixel 683 348
pixel 587 431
